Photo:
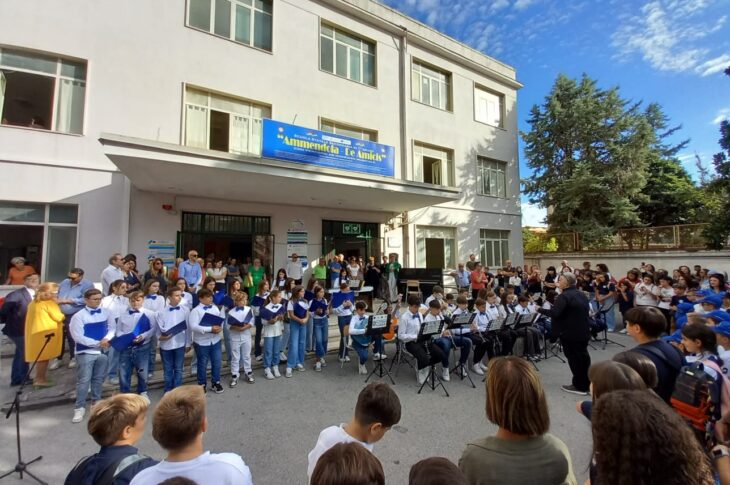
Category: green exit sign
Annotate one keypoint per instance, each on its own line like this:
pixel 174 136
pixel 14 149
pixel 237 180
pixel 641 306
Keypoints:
pixel 351 228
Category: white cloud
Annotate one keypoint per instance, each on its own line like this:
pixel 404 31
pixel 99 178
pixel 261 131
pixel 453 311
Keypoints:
pixel 667 35
pixel 713 66
pixel 533 215
pixel 723 114
pixel 523 4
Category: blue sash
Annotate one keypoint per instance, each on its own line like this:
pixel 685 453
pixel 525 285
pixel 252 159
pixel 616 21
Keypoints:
pixel 94 330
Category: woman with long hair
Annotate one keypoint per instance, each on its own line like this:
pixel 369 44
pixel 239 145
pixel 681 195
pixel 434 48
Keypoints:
pixel 44 318
pixel 156 272
pixel 639 440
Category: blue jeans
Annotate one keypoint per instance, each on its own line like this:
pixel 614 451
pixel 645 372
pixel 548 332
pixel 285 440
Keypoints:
pixel 362 350
pixel 257 343
pixel 172 366
pixel 272 347
pixel 297 339
pixel 465 344
pixel 210 353
pixel 321 328
pixel 19 368
pixel 310 334
pixel 444 343
pixel 130 358
pixel 342 322
pixel 285 337
pixel 610 315
pixel 153 355
pixel 113 363
pixel 227 342
pixel 91 369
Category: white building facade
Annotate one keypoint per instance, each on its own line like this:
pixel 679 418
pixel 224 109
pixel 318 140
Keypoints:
pixel 136 127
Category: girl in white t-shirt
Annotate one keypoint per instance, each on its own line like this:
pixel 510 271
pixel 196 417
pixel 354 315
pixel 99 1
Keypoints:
pixel 646 293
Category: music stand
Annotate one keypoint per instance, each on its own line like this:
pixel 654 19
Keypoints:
pixel 425 334
pixel 601 317
pixel 377 326
pixel 21 466
pixel 459 321
pixel 523 322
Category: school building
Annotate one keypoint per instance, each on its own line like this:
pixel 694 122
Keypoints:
pixel 250 128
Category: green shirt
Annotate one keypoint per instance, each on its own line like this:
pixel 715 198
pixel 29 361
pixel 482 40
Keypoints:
pixel 257 274
pixel 320 272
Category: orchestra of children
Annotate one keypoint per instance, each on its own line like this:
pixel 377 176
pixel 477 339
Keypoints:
pixel 209 320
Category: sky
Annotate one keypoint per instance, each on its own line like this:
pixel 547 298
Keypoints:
pixel 672 52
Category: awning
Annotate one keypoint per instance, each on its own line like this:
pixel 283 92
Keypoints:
pixel 175 169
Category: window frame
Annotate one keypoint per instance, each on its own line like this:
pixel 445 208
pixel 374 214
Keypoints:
pixel 209 108
pixel 347 126
pixel 502 109
pixel 363 53
pixel 57 76
pixel 232 26
pixel 449 83
pixel 502 241
pixel 453 254
pixel 481 160
pixel 450 172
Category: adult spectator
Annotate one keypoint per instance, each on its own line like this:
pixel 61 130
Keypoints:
pixel 112 272
pixel 372 276
pixel 18 271
pixel 71 300
pixel 12 314
pixel 586 266
pixel 319 272
pixel 645 325
pixel 471 264
pixel 633 277
pixel 334 267
pixel 131 277
pixel 191 270
pixel 233 272
pixel 294 269
pixel 522 451
pixel 44 320
pixel 178 425
pixel 534 281
pixel 564 267
pixel 550 282
pixel 639 440
pixel 156 272
pixel 257 272
pixel 462 277
pixel 569 317
pixel 348 464
pixel 219 273
pixel 605 295
pixel 478 279
pixel 504 274
pixel 392 272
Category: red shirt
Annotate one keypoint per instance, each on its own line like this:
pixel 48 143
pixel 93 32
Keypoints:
pixel 478 280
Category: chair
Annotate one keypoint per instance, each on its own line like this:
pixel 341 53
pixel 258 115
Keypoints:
pixel 413 287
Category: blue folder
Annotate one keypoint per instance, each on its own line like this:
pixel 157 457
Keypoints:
pixel 318 305
pixel 309 295
pixel 257 301
pixel 299 310
pixel 210 320
pixel 232 320
pixel 267 314
pixel 218 297
pixel 122 342
pixel 180 327
pixel 339 298
pixel 96 330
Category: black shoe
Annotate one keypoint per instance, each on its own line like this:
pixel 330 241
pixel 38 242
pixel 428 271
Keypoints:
pixel 574 390
pixel 205 388
pixel 217 388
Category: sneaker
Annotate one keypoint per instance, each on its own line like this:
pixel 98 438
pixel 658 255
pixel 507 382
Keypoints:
pixel 323 362
pixel 259 358
pixel 288 372
pixel 193 371
pixel 55 364
pixel 347 358
pixel 362 369
pixel 234 381
pixel 376 357
pixel 249 378
pixel 383 356
pixel 282 357
pixel 78 415
pixel 445 375
pixel 573 390
pixel 205 388
pixel 217 388
pixel 276 371
pixel 477 369
pixel 462 372
pixel 482 366
pixel 423 374
pixel 150 375
pixel 114 381
pixel 624 331
pixel 268 374
pixel 72 363
pixel 145 396
pixel 318 366
pixel 300 368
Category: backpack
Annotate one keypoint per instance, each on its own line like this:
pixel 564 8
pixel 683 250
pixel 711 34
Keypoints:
pixel 75 477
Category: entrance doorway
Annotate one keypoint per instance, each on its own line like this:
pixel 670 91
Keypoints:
pixel 435 255
pixel 358 239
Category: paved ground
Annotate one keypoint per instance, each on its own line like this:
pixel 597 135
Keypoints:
pixel 274 424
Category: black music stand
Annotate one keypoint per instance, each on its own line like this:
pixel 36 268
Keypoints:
pixel 600 317
pixel 460 321
pixel 425 334
pixel 22 466
pixel 377 326
pixel 553 346
pixel 523 322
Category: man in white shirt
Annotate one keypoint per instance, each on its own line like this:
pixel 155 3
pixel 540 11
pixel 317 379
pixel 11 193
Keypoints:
pixel 178 425
pixel 112 272
pixel 294 269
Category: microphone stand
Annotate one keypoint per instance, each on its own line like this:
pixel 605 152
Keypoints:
pixel 22 466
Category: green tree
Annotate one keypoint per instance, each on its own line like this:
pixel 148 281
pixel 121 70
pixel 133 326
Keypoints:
pixel 538 243
pixel 589 152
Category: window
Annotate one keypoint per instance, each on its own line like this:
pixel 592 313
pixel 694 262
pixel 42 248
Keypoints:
pixel 431 86
pixel 435 247
pixel 217 122
pixel 348 130
pixel 488 107
pixel 42 91
pixel 494 247
pixel 345 55
pixel 43 234
pixel 492 177
pixel 245 21
pixel 433 165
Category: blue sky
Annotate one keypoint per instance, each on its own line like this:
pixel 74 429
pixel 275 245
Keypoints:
pixel 672 52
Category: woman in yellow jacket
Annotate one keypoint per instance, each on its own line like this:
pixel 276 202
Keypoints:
pixel 44 317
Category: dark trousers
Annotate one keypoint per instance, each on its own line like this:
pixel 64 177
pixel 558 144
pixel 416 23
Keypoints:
pixel 67 338
pixel 19 368
pixel 579 361
pixel 258 324
pixel 432 356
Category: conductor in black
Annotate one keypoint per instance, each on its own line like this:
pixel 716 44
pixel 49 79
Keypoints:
pixel 569 317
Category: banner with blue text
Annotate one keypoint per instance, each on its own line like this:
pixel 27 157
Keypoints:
pixel 312 147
